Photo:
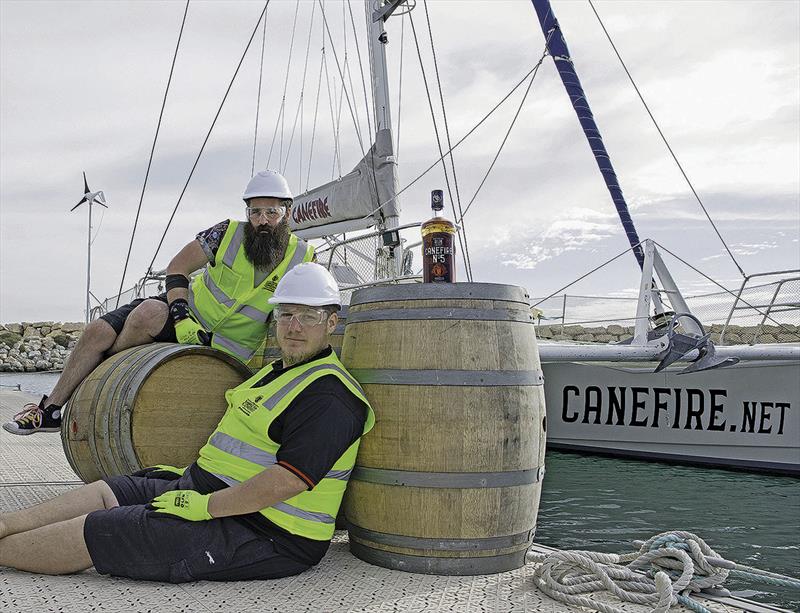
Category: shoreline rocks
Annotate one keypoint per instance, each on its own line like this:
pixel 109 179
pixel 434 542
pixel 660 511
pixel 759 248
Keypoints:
pixel 38 346
pixel 45 345
pixel 734 335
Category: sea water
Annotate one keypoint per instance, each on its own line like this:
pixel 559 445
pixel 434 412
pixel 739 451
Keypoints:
pixel 603 504
pixel 592 502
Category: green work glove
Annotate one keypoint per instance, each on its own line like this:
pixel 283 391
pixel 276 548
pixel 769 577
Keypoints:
pixel 189 332
pixel 186 504
pixel 160 471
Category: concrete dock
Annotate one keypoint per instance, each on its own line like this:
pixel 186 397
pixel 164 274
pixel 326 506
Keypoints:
pixel 33 469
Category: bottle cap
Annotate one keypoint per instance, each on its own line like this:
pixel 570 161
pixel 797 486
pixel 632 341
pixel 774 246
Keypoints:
pixel 437 200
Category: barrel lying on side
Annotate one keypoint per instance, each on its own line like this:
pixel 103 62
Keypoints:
pixel 152 404
pixel 449 480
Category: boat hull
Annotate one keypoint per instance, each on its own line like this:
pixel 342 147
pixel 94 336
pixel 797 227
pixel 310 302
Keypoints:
pixel 745 416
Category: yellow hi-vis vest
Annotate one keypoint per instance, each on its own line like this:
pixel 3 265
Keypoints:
pixel 225 301
pixel 240 447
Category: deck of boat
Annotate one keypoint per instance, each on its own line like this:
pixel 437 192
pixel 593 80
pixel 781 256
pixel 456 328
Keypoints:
pixel 33 469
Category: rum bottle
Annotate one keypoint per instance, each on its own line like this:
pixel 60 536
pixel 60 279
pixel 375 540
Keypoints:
pixel 438 248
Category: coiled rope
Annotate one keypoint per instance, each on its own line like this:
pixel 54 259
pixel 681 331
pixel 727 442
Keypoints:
pixel 664 572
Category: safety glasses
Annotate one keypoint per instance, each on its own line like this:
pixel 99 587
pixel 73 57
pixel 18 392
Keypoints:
pixel 306 317
pixel 270 211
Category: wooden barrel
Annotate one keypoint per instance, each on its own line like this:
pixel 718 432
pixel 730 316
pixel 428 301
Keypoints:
pixel 449 480
pixel 152 404
pixel 270 351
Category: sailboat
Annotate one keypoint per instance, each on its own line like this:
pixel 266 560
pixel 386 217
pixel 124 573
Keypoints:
pixel 668 392
pixel 733 406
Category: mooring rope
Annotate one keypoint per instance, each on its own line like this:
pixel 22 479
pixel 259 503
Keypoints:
pixel 665 571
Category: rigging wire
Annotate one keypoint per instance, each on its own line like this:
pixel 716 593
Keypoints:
pixel 208 135
pixel 508 132
pixel 303 114
pixel 340 102
pixel 664 138
pixel 400 86
pixel 341 76
pixel 697 270
pixel 300 103
pixel 348 69
pixel 463 138
pixel 282 113
pixel 467 260
pixel 361 70
pixel 316 109
pixel 593 270
pixel 370 42
pixel 331 104
pixel 438 139
pixel 701 273
pixel 258 100
pixel 366 102
pixel 152 152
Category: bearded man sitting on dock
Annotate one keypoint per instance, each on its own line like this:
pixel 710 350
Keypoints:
pixel 226 307
pixel 260 501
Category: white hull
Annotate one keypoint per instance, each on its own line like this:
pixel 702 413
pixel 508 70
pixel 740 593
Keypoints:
pixel 745 416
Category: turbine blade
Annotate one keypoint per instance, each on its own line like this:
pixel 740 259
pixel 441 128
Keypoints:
pixel 77 205
pixel 85 184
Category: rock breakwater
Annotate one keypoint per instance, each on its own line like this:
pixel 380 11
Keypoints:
pixel 45 345
pixel 39 346
pixel 733 335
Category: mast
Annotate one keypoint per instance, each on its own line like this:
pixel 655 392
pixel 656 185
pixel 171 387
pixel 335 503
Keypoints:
pixel 557 47
pixel 377 13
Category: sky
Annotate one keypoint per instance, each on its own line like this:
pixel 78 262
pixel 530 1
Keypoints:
pixel 81 87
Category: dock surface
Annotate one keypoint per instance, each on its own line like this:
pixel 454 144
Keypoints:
pixel 33 469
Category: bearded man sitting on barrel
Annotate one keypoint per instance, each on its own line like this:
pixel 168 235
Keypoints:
pixel 226 307
pixel 261 499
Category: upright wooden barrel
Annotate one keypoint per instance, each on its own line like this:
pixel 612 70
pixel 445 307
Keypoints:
pixel 449 480
pixel 152 404
pixel 270 351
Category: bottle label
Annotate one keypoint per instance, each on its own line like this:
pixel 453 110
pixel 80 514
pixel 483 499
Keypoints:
pixel 438 258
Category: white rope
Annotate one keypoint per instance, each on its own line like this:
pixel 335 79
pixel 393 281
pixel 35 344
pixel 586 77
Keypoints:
pixel 664 572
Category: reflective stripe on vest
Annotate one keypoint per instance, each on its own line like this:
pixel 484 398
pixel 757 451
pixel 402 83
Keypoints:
pixel 287 508
pixel 240 447
pixel 271 402
pixel 233 246
pixel 224 300
pixel 234 446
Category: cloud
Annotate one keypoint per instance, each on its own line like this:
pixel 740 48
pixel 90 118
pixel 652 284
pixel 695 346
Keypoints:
pixel 728 102
pixel 575 231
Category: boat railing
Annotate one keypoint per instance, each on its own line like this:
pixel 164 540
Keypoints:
pixel 148 285
pixel 365 260
pixel 777 301
pixel 759 313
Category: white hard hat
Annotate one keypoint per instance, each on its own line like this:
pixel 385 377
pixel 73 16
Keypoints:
pixel 267 184
pixel 310 284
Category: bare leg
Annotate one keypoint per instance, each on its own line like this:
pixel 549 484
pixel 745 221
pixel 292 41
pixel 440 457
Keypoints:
pixel 96 339
pixel 55 549
pixel 142 325
pixel 72 504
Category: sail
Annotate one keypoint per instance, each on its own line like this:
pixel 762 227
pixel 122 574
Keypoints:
pixel 361 199
pixel 557 46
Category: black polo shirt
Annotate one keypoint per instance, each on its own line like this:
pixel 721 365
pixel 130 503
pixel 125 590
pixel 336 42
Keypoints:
pixel 313 432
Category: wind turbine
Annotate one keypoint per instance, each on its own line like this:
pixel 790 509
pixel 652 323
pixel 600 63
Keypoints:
pixel 91 198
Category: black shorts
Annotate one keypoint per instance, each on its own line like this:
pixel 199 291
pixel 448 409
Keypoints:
pixel 116 319
pixel 135 542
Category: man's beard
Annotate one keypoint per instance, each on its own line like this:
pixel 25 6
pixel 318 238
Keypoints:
pixel 265 246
